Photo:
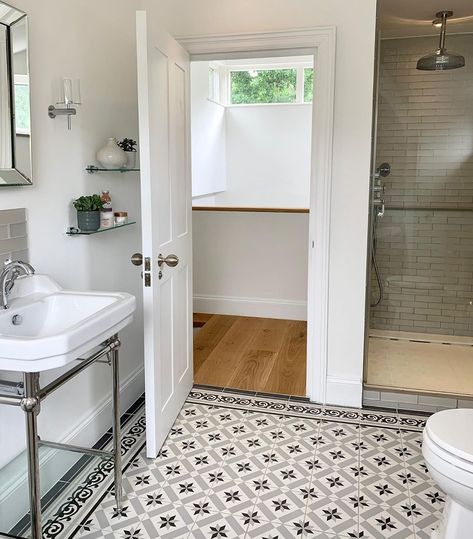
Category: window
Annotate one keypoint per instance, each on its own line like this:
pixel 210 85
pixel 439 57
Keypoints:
pixel 263 86
pixel 213 84
pixel 271 85
pixel 22 104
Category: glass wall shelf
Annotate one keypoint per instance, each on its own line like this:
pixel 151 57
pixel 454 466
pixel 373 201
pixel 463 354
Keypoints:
pixel 92 169
pixel 73 231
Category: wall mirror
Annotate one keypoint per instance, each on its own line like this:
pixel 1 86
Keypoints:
pixel 15 136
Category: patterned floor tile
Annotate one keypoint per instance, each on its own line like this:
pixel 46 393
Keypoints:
pixel 395 522
pixel 383 489
pixel 425 523
pixel 338 456
pixel 174 524
pixel 332 515
pixel 273 530
pixel 283 505
pixel 333 483
pixel 252 466
pixel 219 526
pixel 233 497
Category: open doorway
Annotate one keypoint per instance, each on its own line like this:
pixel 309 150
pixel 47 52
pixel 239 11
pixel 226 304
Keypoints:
pixel 251 175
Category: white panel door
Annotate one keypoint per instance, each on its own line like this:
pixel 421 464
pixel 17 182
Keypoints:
pixel 164 103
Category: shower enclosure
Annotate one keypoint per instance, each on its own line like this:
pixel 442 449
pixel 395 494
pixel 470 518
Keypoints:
pixel 420 251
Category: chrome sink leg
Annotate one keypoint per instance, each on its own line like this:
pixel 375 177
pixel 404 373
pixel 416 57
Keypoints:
pixel 30 405
pixel 117 459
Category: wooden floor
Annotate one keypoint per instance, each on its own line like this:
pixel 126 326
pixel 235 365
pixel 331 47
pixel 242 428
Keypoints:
pixel 254 354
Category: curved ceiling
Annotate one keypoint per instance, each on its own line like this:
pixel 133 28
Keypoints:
pixel 401 18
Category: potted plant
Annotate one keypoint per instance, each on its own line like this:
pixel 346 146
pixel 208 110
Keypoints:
pixel 88 212
pixel 128 145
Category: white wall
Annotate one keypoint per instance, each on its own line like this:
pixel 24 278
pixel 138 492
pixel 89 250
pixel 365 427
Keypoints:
pixel 208 135
pixel 252 264
pixel 99 49
pixel 268 156
pixel 355 23
pixel 248 155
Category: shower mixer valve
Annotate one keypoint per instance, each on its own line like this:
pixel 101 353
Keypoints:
pixel 380 205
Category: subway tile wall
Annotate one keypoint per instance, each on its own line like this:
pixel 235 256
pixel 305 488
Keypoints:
pixel 13 235
pixel 425 240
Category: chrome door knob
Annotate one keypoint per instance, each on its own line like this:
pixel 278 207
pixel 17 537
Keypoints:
pixel 170 260
pixel 137 259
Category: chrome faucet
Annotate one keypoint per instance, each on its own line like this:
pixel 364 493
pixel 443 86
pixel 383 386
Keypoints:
pixel 10 273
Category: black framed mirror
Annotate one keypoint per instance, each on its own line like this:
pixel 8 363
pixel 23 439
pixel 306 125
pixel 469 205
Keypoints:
pixel 15 117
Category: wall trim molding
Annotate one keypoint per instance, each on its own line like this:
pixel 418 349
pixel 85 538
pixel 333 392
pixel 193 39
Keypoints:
pixel 258 307
pixel 321 42
pixel 54 463
pixel 343 392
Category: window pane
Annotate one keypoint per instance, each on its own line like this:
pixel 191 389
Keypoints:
pixel 212 84
pixel 308 84
pixel 263 86
pixel 22 108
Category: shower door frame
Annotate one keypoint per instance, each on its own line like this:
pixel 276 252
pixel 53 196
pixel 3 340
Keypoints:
pixel 371 216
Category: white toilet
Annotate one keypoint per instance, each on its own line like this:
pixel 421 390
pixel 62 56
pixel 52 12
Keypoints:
pixel 448 452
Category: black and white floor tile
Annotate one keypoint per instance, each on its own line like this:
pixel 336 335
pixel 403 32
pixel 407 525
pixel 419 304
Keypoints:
pixel 253 466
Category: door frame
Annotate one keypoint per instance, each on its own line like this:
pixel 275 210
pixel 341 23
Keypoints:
pixel 321 43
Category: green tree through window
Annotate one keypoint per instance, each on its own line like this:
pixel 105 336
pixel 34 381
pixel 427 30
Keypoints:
pixel 308 84
pixel 271 86
pixel 263 86
pixel 22 108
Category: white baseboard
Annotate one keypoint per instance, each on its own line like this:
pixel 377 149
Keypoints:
pixel 258 307
pixel 343 392
pixel 54 464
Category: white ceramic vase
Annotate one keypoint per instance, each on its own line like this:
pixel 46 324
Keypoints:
pixel 111 155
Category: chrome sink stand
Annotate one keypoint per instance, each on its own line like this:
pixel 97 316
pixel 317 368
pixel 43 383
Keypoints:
pixel 30 401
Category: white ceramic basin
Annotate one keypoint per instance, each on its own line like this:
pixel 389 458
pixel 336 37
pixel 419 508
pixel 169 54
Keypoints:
pixel 55 326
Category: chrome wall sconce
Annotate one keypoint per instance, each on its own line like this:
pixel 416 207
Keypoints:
pixel 68 98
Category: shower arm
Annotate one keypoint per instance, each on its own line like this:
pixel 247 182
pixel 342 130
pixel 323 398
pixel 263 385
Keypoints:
pixel 443 31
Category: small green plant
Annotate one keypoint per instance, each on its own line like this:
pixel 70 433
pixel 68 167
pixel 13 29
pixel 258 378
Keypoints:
pixel 88 203
pixel 127 145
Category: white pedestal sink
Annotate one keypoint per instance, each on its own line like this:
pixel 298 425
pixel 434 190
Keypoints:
pixel 47 327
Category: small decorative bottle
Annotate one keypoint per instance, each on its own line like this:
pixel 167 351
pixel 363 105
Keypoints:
pixel 106 215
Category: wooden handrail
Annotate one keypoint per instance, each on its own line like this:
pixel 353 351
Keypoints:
pixel 250 209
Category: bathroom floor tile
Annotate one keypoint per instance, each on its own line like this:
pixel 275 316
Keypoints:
pixel 253 466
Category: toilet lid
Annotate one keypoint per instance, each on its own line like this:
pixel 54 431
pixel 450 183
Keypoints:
pixel 452 430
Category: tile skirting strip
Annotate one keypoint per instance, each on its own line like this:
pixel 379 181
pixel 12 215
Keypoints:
pixel 253 402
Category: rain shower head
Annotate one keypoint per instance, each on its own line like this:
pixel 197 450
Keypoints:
pixel 441 59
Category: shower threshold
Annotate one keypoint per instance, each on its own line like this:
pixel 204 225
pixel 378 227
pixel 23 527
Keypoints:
pixel 420 363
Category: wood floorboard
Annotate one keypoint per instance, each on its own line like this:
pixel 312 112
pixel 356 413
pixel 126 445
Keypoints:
pixel 288 374
pixel 262 350
pixel 256 354
pixel 223 360
pixel 208 338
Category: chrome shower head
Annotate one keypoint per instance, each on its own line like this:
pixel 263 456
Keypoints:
pixel 441 59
